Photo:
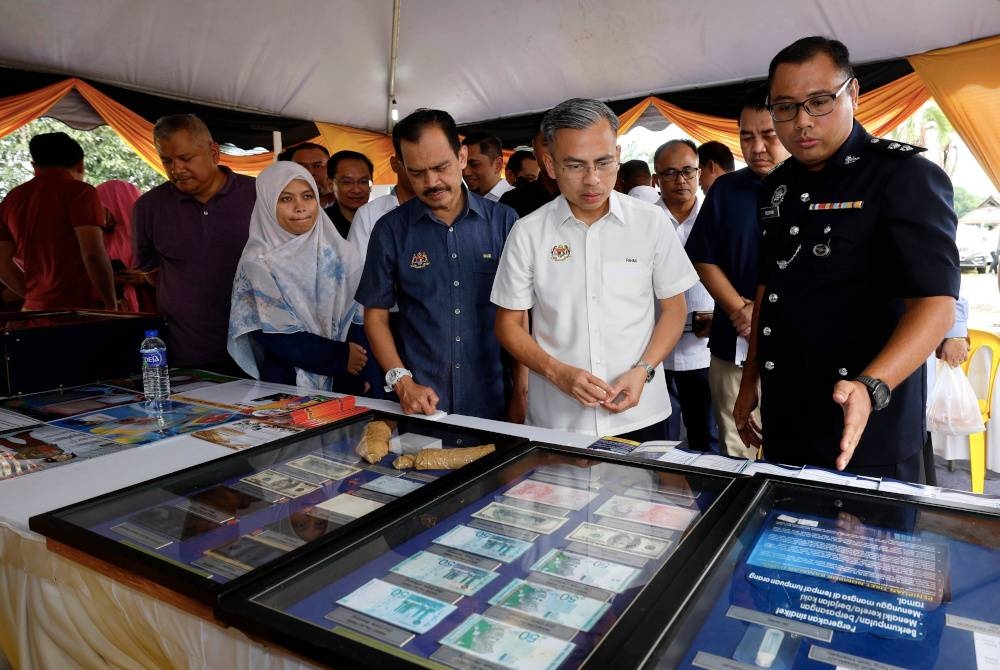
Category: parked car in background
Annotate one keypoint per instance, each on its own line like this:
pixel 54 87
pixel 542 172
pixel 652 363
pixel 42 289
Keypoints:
pixel 975 248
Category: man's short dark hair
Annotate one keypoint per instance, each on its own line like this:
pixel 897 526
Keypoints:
pixel 166 126
pixel 807 48
pixel 307 145
pixel 516 161
pixel 755 99
pixel 345 155
pixel 489 145
pixel 55 150
pixel 672 143
pixel 717 153
pixel 412 127
pixel 634 170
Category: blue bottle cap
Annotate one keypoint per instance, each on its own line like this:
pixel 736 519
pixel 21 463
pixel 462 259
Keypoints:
pixel 152 333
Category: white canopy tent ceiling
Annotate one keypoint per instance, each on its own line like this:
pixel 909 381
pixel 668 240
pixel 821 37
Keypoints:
pixel 329 60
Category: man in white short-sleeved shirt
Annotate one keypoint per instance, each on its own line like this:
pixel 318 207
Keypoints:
pixel 369 213
pixel 589 265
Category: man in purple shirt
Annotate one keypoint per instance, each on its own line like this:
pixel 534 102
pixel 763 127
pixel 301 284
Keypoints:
pixel 188 235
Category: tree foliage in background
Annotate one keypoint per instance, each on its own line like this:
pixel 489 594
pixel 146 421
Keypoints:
pixel 965 201
pixel 106 156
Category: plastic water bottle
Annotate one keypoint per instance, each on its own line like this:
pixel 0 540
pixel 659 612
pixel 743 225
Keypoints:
pixel 155 375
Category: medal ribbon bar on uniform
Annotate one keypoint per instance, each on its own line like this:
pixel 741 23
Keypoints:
pixel 854 204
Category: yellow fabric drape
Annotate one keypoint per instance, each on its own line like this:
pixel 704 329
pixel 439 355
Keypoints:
pixel 965 82
pixel 376 146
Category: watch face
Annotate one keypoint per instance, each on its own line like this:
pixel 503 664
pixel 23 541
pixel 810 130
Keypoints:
pixel 880 395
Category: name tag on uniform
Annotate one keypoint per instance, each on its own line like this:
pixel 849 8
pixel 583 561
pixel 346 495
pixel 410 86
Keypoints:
pixel 771 212
pixel 853 204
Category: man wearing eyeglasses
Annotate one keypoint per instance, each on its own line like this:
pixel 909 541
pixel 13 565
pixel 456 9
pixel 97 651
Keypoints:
pixel 314 157
pixel 686 367
pixel 351 175
pixel 590 265
pixel 858 279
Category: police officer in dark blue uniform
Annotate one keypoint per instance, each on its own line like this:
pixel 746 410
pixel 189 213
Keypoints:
pixel 858 279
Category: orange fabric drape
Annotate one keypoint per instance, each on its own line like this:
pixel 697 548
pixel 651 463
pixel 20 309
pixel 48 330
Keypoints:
pixel 702 127
pixel 19 110
pixel 376 146
pixel 965 82
pixel 628 118
pixel 882 109
pixel 134 130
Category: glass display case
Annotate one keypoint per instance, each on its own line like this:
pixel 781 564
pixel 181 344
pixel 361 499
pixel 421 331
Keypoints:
pixel 199 529
pixel 546 559
pixel 815 576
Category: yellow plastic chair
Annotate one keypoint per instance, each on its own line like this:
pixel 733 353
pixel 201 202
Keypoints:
pixel 990 344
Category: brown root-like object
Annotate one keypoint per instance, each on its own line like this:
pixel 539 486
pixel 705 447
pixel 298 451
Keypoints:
pixel 403 462
pixel 450 459
pixel 374 444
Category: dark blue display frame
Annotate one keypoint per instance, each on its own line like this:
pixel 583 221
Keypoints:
pixel 332 570
pixel 693 612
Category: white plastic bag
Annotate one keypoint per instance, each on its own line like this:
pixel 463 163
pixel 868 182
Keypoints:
pixel 953 408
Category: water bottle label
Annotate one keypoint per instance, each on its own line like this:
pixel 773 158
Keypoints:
pixel 154 358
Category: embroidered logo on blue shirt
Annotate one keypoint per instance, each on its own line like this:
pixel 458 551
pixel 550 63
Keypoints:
pixel 420 260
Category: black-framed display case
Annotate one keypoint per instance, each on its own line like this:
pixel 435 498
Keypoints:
pixel 77 347
pixel 202 529
pixel 545 559
pixel 808 575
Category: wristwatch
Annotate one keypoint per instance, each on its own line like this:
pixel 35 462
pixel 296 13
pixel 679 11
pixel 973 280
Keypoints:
pixel 393 376
pixel 650 370
pixel 878 391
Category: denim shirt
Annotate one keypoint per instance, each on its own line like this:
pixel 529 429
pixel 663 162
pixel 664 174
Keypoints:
pixel 441 276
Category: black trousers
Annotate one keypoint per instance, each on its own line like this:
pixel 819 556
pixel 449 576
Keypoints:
pixel 690 387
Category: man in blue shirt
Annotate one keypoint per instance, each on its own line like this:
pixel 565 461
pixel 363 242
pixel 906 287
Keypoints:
pixel 436 256
pixel 723 248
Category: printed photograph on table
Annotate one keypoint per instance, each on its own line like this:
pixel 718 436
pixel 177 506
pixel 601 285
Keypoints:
pixel 198 530
pixel 532 564
pixel 53 405
pixel 135 424
pixel 41 447
pixel 244 434
pixel 831 577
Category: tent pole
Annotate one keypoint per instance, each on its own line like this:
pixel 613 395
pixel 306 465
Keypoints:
pixel 276 143
pixel 392 113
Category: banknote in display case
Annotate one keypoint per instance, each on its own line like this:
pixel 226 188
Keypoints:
pixel 198 530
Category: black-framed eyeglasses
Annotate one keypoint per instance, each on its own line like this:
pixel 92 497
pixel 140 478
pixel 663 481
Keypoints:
pixel 687 172
pixel 817 105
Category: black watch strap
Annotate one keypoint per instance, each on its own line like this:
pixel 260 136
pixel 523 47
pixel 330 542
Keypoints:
pixel 878 391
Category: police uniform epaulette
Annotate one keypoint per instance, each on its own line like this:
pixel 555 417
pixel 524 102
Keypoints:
pixel 894 148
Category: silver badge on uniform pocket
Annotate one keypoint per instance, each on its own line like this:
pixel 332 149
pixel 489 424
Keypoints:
pixel 779 195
